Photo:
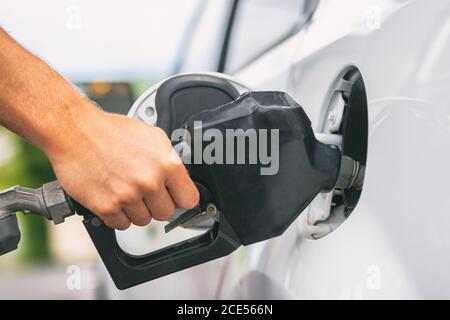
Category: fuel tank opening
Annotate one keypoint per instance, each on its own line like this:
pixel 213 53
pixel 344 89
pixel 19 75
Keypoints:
pixel 354 131
pixel 345 121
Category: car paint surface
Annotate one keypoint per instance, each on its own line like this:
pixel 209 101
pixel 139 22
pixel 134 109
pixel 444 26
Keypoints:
pixel 395 243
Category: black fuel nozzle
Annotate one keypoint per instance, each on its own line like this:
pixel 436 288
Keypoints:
pixel 247 201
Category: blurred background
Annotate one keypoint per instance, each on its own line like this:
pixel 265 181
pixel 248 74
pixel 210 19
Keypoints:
pixel 112 51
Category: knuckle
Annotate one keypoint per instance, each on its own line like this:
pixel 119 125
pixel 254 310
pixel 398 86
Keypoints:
pixel 126 196
pixel 174 168
pixel 106 209
pixel 152 183
pixel 166 213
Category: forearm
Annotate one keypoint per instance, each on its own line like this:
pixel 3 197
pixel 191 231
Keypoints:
pixel 35 101
pixel 123 170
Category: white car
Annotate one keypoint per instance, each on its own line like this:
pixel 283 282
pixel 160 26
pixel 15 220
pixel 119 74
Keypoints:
pixel 376 74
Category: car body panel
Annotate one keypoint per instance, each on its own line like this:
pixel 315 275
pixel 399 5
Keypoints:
pixel 395 243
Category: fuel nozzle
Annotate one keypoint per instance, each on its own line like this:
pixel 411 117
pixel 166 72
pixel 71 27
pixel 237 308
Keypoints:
pixel 49 201
pixel 244 203
pixel 351 174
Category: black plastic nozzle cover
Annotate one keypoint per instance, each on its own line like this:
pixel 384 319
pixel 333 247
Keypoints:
pixel 261 206
pixel 253 207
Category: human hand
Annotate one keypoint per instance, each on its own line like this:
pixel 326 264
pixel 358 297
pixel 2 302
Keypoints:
pixel 121 169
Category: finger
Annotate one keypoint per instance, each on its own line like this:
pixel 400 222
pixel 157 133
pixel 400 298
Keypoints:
pixel 181 188
pixel 138 213
pixel 117 221
pixel 160 204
